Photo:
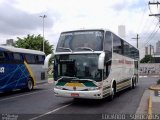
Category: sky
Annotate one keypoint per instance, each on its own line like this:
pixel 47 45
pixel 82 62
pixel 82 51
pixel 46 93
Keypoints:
pixel 18 18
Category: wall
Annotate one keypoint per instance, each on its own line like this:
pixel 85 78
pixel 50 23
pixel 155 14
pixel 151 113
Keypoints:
pixel 149 69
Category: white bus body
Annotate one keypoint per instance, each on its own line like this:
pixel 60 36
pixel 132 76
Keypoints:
pixel 94 64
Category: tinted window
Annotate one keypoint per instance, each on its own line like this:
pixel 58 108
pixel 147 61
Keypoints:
pixel 40 59
pixel 117 46
pixel 126 49
pixel 132 52
pixel 30 59
pixel 122 46
pixel 17 57
pixel 108 42
pixel 80 41
pixel 84 66
pixel 2 56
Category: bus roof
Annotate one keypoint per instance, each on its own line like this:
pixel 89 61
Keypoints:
pixel 78 30
pixel 20 50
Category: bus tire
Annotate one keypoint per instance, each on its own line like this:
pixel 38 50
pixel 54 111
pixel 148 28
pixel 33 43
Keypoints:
pixel 113 92
pixel 133 83
pixel 29 85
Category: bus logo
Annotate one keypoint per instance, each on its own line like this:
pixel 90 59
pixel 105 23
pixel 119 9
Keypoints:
pixel 1 69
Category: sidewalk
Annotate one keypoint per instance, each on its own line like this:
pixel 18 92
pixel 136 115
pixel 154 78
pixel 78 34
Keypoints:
pixel 150 103
pixel 155 98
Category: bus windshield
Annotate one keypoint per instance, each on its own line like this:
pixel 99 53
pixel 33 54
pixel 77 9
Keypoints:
pixel 90 40
pixel 79 66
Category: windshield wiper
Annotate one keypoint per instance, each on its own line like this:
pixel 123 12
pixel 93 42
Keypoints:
pixel 88 48
pixel 65 48
pixel 69 78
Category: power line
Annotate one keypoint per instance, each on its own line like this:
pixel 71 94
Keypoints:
pixel 151 36
pixel 147 27
pixel 140 23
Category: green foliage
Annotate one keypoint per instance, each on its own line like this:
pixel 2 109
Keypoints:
pixel 146 59
pixel 34 43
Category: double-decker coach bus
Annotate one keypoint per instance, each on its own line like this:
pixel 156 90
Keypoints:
pixel 21 68
pixel 94 64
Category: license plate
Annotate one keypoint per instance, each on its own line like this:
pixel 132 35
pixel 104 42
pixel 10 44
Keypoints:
pixel 74 94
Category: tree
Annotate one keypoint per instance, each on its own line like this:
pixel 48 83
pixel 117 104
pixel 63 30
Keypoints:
pixel 146 59
pixel 34 43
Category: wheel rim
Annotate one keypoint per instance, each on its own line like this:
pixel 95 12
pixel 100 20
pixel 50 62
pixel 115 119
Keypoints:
pixel 133 84
pixel 30 85
pixel 112 93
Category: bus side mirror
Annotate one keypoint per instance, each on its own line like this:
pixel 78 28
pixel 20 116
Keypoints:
pixel 101 61
pixel 46 61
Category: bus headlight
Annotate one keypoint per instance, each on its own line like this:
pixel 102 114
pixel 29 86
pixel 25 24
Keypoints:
pixel 94 88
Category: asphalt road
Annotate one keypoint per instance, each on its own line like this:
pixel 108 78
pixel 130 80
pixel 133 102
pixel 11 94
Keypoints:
pixel 42 104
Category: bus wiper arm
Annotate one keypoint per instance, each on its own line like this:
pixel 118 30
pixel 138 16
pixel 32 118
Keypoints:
pixel 88 48
pixel 71 78
pixel 75 78
pixel 65 48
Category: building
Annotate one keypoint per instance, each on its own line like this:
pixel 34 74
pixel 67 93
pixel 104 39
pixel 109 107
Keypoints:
pixel 9 42
pixel 158 47
pixel 149 50
pixel 146 50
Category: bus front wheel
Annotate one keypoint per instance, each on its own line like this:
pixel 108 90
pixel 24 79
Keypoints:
pixel 113 92
pixel 29 84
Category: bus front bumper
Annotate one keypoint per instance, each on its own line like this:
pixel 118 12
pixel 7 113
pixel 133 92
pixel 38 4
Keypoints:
pixel 94 94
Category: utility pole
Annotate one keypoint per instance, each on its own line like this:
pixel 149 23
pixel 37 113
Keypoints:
pixel 43 17
pixel 155 15
pixel 154 3
pixel 137 38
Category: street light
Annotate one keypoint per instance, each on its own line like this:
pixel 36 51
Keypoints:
pixel 44 16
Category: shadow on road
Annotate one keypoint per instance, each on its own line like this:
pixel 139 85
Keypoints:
pixel 99 102
pixel 18 92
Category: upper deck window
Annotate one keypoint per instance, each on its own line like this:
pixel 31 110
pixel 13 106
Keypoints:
pixel 30 58
pixel 17 57
pixel 80 41
pixel 2 56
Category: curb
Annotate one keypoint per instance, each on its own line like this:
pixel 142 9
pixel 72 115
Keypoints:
pixel 149 108
pixel 154 87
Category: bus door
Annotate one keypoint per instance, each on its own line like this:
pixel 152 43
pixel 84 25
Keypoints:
pixel 107 64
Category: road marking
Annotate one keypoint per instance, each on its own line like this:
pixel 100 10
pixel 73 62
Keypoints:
pixel 50 112
pixel 150 108
pixel 23 95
